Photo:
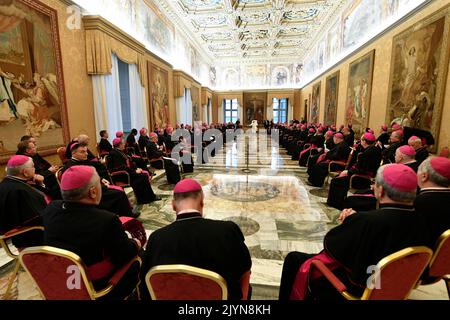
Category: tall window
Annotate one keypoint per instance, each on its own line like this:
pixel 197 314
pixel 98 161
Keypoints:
pixel 280 110
pixel 124 82
pixel 230 108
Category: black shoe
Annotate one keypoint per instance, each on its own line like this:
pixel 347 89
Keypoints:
pixel 157 199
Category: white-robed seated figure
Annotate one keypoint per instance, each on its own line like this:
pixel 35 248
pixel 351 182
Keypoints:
pixel 254 126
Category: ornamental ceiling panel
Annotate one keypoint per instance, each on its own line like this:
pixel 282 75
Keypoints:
pixel 260 31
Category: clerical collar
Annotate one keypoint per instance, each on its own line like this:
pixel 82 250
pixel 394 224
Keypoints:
pixel 440 189
pixel 188 214
pixel 396 206
pixel 70 204
pixel 17 179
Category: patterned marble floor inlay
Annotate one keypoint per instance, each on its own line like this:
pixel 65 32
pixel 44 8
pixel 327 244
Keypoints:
pixel 275 208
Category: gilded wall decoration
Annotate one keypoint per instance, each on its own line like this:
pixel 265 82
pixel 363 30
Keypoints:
pixel 32 99
pixel 331 98
pixel 359 92
pixel 159 91
pixel 315 104
pixel 418 74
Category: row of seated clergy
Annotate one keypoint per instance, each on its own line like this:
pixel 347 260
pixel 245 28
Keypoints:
pixel 364 238
pixel 367 164
pixel 318 166
pixel 28 147
pixel 97 236
pixel 113 199
pixel 364 199
pixel 139 178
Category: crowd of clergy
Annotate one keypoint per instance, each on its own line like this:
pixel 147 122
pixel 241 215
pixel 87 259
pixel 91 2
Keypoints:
pixel 398 190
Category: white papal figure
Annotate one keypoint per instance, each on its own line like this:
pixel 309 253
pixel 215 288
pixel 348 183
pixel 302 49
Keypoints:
pixel 254 126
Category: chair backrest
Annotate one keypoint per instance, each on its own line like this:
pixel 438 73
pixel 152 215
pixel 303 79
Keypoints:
pixel 398 274
pixel 182 282
pixel 58 274
pixel 440 261
pixel 349 159
pixel 61 151
pixel 58 174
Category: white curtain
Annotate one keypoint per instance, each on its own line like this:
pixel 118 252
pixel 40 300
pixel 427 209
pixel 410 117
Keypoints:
pixel 205 115
pixel 270 111
pixel 187 110
pixel 210 117
pixel 137 100
pixel 240 111
pixel 290 111
pixel 113 103
pixel 220 112
pixel 179 105
pixel 107 105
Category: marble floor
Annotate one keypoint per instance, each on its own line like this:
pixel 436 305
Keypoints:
pixel 270 201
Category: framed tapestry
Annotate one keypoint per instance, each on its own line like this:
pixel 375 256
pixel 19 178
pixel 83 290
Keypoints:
pixel 418 74
pixel 331 98
pixel 359 92
pixel 158 95
pixel 32 96
pixel 315 104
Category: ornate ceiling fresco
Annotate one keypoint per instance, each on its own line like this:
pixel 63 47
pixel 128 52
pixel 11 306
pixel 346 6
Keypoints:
pixel 253 31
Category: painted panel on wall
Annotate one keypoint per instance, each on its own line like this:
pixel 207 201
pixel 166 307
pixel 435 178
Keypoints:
pixel 331 98
pixel 315 104
pixel 359 92
pixel 418 74
pixel 32 100
pixel 358 22
pixel 254 107
pixel 159 93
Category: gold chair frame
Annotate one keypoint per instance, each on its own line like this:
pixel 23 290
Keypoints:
pixel 181 268
pixel 382 264
pixel 3 239
pixel 93 294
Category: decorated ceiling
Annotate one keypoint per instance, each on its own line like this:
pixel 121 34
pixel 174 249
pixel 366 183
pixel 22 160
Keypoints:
pixel 253 31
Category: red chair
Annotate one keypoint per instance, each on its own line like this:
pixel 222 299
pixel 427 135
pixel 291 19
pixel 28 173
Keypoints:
pixel 119 178
pixel 182 282
pixel 3 238
pixel 51 269
pixel 439 267
pixel 62 154
pixel 398 275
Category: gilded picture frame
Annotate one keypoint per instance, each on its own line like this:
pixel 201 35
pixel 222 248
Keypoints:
pixel 359 92
pixel 38 106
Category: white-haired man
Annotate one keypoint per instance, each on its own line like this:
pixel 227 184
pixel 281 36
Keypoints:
pixel 20 203
pixel 362 239
pixel 421 150
pixel 433 201
pixel 96 235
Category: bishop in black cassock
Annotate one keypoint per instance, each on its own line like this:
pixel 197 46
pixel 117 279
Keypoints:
pixel 363 238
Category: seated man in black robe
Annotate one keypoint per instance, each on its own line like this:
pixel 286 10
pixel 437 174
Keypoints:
pixel 42 167
pixel 143 139
pixel 118 160
pixel 217 246
pixel 367 164
pixel 21 204
pixel 433 201
pixel 406 155
pixel 104 146
pixel 362 239
pixel 318 172
pixel 395 142
pixel 97 236
pixel 131 142
pixel 421 151
pixel 154 152
pixel 113 199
